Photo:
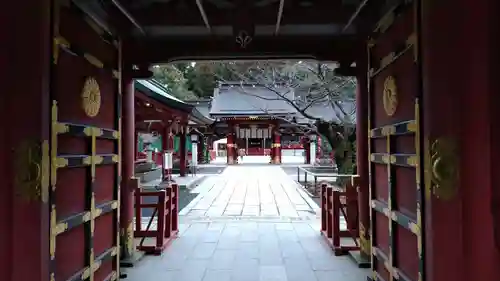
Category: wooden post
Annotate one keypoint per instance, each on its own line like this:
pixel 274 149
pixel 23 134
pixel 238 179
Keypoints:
pixel 307 149
pixel 230 145
pixel 324 210
pixel 277 148
pixel 182 151
pixel 175 208
pixel 160 232
pixel 136 145
pixel 128 162
pixel 168 213
pixel 362 163
pixel 24 238
pixel 447 104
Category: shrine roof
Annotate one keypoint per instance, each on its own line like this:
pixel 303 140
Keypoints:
pixel 324 110
pixel 202 105
pixel 251 99
pixel 153 89
pixel 242 100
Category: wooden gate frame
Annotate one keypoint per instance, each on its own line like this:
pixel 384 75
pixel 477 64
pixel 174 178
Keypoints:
pixel 395 217
pixel 411 127
pixel 92 212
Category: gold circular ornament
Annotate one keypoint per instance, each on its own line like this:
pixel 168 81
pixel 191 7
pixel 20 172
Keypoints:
pixel 91 97
pixel 390 95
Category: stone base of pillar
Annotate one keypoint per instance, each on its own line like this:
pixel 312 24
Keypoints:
pixel 277 160
pixel 230 161
pixel 168 175
pixel 132 260
pixel 129 254
pixel 361 259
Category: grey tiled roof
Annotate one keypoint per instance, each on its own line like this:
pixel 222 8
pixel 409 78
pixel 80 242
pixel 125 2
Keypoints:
pixel 326 112
pixel 203 106
pixel 259 100
pixel 158 92
pixel 231 100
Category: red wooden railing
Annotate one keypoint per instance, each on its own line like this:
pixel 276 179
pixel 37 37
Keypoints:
pixel 335 203
pixel 165 210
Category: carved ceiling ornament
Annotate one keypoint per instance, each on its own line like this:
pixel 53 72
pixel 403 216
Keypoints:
pixel 390 96
pixel 91 97
pixel 243 39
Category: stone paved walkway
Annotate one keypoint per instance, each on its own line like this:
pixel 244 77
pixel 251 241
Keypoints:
pixel 251 191
pixel 248 224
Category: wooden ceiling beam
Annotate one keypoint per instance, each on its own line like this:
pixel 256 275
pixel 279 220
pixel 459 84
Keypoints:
pixel 203 14
pixel 328 12
pixel 331 48
pixel 366 15
pixel 127 14
pixel 279 16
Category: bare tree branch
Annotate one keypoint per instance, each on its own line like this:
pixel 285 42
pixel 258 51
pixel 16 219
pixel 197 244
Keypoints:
pixel 329 91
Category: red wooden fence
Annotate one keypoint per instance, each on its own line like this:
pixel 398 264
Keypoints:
pixel 165 211
pixel 335 203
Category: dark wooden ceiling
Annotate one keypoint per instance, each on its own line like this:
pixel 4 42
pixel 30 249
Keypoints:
pixel 163 30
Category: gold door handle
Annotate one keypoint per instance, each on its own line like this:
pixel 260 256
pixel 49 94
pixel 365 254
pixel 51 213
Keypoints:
pixel 32 169
pixel 38 172
pixel 436 175
pixel 443 165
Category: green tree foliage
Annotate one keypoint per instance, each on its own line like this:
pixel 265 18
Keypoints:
pixel 194 80
pixel 174 80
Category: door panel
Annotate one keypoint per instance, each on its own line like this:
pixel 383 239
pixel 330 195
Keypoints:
pixel 85 171
pixel 395 150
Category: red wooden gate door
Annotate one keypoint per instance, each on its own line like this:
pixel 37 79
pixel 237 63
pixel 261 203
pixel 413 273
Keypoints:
pixel 85 172
pixel 395 176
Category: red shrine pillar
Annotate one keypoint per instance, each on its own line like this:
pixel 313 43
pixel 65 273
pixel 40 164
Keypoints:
pixel 25 118
pixel 182 151
pixel 128 162
pixel 271 151
pixel 230 147
pixel 307 149
pixel 460 109
pixel 136 145
pixel 362 158
pixel 277 148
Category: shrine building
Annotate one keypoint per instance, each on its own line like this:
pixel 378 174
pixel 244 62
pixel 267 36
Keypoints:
pixel 261 120
pixel 169 121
